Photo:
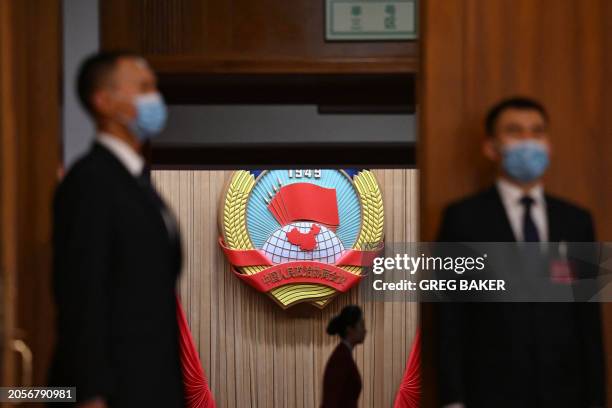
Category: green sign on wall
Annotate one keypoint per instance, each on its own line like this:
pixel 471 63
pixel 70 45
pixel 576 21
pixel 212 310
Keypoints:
pixel 359 20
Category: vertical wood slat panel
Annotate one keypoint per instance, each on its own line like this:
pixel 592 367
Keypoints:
pixel 257 355
pixel 166 24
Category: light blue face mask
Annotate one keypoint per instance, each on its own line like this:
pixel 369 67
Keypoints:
pixel 150 117
pixel 525 161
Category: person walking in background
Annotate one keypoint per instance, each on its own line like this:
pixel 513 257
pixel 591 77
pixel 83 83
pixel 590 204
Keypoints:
pixel 342 381
pixel 117 253
pixel 519 354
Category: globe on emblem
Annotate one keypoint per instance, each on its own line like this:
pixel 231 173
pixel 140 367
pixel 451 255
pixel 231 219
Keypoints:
pixel 279 249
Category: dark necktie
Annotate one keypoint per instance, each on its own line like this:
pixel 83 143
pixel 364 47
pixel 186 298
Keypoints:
pixel 530 232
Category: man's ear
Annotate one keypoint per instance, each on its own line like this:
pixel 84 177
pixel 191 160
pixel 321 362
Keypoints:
pixel 102 102
pixel 490 150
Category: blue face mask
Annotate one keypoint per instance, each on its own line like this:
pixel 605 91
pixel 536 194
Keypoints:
pixel 525 161
pixel 150 117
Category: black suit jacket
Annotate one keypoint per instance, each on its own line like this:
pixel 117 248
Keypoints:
pixel 115 272
pixel 518 354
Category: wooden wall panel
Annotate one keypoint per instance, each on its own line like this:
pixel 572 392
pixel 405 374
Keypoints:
pixel 475 52
pixel 232 27
pixel 254 353
pixel 265 36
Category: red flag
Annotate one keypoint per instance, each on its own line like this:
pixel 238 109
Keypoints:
pixel 305 201
pixel 409 392
pixel 197 393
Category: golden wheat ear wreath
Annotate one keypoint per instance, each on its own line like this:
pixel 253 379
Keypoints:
pixel 235 234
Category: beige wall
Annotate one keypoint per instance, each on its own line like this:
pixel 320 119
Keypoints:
pixel 254 353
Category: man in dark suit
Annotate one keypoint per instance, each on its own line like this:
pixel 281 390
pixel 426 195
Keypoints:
pixel 518 354
pixel 117 252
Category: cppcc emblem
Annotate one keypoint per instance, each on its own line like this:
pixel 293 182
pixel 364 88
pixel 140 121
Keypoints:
pixel 301 235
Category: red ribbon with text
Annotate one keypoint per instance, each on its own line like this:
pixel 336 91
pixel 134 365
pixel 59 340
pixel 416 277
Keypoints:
pixel 294 272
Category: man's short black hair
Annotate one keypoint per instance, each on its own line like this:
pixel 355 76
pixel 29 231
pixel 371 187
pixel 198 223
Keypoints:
pixel 94 70
pixel 518 102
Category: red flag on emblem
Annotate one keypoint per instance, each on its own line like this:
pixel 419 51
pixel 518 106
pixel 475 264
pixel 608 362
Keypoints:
pixel 305 201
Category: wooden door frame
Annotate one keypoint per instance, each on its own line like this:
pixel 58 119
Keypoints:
pixel 30 67
pixel 8 202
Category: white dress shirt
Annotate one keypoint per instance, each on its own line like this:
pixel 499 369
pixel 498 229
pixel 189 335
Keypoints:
pixel 131 160
pixel 511 198
pixel 134 164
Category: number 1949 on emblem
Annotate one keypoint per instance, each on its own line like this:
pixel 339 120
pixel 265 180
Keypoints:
pixel 305 173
